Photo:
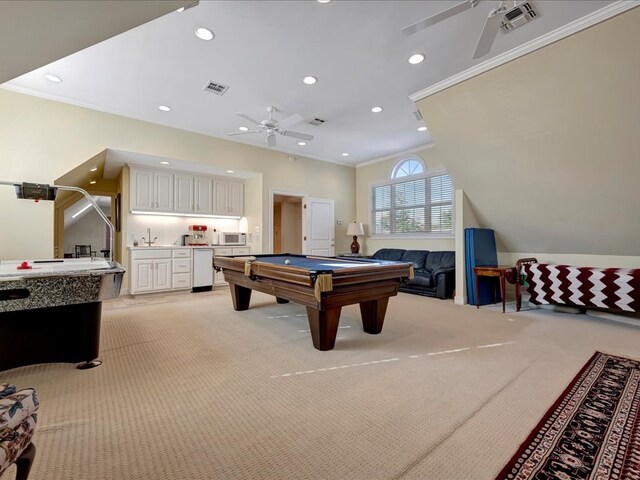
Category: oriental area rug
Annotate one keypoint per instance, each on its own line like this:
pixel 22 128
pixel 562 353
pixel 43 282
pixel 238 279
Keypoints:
pixel 592 431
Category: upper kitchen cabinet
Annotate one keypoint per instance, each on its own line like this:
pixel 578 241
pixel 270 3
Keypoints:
pixel 228 197
pixel 203 195
pixel 184 196
pixel 185 193
pixel 151 190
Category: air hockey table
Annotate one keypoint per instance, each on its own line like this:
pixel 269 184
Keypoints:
pixel 50 310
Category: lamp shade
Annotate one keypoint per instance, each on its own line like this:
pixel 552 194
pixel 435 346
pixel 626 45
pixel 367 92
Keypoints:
pixel 355 229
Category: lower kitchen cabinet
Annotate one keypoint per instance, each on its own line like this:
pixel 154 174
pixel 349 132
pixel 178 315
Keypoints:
pixel 181 269
pixel 158 270
pixel 218 277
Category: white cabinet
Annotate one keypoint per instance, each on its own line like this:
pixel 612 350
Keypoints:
pixel 183 189
pixel 236 198
pixel 181 192
pixel 181 268
pixel 150 270
pixel 218 277
pixel 159 269
pixel 151 190
pixel 228 197
pixel 203 195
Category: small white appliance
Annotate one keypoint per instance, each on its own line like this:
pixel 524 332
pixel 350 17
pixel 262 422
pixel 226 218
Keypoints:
pixel 233 238
pixel 202 269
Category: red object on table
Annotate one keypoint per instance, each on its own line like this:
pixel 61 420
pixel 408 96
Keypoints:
pixel 24 266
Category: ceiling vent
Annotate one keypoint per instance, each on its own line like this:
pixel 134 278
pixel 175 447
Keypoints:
pixel 316 122
pixel 519 15
pixel 418 115
pixel 216 88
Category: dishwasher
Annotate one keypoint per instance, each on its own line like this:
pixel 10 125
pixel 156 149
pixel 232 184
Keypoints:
pixel 202 270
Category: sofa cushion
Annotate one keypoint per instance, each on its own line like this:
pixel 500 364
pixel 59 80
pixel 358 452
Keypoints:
pixel 445 259
pixel 421 280
pixel 416 257
pixel 394 254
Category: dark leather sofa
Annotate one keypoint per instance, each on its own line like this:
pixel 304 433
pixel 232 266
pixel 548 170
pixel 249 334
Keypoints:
pixel 434 272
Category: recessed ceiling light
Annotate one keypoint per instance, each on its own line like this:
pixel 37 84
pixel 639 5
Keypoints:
pixel 416 58
pixel 231 171
pixel 302 144
pixel 309 79
pixel 422 129
pixel 324 1
pixel 164 108
pixel 376 109
pixel 243 129
pixel 345 154
pixel 93 169
pixel 92 182
pixel 53 78
pixel 164 162
pixel 204 33
pixel 194 4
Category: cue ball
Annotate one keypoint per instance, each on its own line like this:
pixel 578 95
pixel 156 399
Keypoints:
pixel 287 262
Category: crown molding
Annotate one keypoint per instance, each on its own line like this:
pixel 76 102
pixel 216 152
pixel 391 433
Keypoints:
pixel 587 21
pixel 397 154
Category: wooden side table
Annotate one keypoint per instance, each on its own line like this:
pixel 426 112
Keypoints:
pixel 497 271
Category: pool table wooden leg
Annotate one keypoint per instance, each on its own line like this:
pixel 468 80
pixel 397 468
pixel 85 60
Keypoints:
pixel 372 314
pixel 240 296
pixel 281 300
pixel 324 327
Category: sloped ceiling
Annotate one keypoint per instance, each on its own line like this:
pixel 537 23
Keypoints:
pixel 37 33
pixel 547 147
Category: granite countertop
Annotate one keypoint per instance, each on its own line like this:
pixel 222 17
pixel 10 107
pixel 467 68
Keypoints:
pixel 56 283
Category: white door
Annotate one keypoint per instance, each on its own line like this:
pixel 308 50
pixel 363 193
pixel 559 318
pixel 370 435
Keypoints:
pixel 318 227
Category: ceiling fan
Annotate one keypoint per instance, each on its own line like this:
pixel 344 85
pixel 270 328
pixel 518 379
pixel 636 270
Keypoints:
pixel 502 16
pixel 271 126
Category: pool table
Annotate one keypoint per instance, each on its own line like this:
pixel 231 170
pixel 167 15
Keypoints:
pixel 323 284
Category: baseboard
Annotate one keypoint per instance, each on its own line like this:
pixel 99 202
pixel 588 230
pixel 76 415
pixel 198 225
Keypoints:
pixel 460 300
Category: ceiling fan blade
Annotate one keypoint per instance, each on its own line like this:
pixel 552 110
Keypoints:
pixel 247 118
pixel 301 136
pixel 438 17
pixel 488 35
pixel 271 140
pixel 242 133
pixel 290 120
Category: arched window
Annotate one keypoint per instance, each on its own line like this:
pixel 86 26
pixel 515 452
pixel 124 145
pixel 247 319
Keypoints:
pixel 407 167
pixel 414 201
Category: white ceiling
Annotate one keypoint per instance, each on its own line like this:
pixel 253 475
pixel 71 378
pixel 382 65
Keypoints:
pixel 263 49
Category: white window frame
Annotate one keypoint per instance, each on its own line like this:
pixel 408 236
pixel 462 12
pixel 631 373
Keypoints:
pixel 426 174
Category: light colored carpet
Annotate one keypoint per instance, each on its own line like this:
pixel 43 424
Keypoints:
pixel 190 389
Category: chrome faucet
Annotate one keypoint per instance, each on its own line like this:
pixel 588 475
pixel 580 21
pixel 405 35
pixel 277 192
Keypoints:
pixel 149 242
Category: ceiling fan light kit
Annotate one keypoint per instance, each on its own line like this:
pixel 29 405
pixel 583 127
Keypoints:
pixel 271 126
pixel 507 16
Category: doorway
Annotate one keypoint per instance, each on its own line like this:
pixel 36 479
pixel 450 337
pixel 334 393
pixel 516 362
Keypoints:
pixel 287 223
pixel 84 226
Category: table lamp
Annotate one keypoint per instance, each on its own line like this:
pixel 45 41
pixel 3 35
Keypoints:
pixel 355 229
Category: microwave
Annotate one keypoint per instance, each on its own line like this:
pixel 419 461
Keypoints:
pixel 233 238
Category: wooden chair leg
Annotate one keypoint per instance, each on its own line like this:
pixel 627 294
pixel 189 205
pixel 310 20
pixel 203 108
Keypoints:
pixel 24 462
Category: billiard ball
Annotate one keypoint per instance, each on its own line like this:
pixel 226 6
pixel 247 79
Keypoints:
pixel 287 262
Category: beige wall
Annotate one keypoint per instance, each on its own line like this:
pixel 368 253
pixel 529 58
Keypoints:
pixel 42 140
pixel 547 147
pixel 379 172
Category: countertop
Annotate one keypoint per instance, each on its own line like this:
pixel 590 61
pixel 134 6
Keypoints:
pixel 144 247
